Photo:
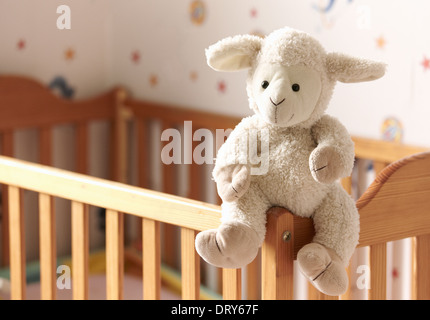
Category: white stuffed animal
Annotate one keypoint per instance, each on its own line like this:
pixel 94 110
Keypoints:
pixel 290 83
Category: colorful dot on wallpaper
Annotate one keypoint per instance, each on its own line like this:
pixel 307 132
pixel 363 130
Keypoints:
pixel 69 54
pixel 426 63
pixel 253 13
pixel 153 80
pixel 221 86
pixel 21 44
pixel 381 42
pixel 194 75
pixel 392 129
pixel 325 9
pixel 197 12
pixel 326 6
pixel 135 56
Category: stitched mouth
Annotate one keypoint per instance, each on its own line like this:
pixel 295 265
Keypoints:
pixel 276 104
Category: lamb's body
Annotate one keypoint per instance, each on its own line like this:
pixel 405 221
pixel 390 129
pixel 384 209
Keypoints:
pixel 289 183
pixel 290 82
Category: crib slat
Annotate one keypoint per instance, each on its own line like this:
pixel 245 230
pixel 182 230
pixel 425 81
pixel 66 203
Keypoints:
pixel 119 137
pixel 252 279
pixel 169 177
pixel 232 284
pixel 190 269
pixel 45 151
pixel 114 255
pixel 170 232
pixel 152 259
pixel 278 256
pixel 315 294
pixel 17 244
pixel 7 150
pixel 143 153
pixel 422 265
pixel 48 288
pixel 378 271
pixel 47 239
pixel 80 250
pixel 195 172
pixel 82 148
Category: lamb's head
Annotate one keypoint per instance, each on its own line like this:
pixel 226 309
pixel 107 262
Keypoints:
pixel 291 77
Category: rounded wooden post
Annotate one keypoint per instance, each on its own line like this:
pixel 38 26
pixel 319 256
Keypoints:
pixel 232 284
pixel 17 244
pixel 114 255
pixel 190 266
pixel 277 256
pixel 422 267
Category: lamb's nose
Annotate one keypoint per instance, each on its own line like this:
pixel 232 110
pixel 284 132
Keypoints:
pixel 276 104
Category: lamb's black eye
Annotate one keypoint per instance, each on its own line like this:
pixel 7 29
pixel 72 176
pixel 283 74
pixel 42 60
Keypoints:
pixel 264 84
pixel 295 87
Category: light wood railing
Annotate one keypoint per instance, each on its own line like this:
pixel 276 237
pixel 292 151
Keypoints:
pixel 117 198
pixel 395 206
pixel 28 104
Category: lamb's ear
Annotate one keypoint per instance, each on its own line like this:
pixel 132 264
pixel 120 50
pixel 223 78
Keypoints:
pixel 233 53
pixel 349 69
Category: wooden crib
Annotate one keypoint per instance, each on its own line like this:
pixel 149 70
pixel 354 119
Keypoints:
pixel 395 206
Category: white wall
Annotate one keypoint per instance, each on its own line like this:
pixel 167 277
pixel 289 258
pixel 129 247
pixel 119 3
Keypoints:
pixel 43 57
pixel 105 34
pixel 44 54
pixel 172 47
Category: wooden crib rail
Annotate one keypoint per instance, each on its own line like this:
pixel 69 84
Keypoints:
pixel 153 207
pixel 27 103
pixel 107 194
pixel 395 206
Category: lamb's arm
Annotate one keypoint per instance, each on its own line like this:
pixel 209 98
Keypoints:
pixel 232 167
pixel 333 158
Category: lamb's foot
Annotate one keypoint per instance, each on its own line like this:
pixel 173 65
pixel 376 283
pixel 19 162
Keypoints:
pixel 233 245
pixel 323 268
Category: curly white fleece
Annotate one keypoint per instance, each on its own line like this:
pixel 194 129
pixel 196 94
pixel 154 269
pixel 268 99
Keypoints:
pixel 289 183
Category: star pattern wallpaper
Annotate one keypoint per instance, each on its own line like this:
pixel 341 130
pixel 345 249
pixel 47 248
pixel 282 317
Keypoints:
pixel 156 49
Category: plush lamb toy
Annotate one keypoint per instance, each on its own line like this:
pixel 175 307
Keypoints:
pixel 290 83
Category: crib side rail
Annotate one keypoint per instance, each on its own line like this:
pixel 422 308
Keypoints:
pixel 117 198
pixel 107 194
pixel 395 206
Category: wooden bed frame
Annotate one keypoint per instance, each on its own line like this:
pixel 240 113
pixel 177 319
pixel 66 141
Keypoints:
pixel 395 206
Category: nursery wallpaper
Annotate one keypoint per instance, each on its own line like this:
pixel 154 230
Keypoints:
pixel 155 48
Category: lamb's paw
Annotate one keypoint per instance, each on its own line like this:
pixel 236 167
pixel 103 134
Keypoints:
pixel 232 182
pixel 233 245
pixel 323 268
pixel 325 164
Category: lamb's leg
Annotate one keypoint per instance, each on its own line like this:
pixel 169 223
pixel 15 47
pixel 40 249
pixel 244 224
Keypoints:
pixel 235 243
pixel 324 260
